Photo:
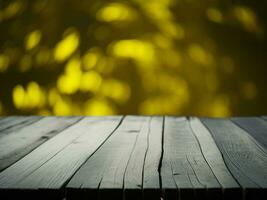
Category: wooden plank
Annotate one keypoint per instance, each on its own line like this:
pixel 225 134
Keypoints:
pixel 134 172
pixel 255 126
pixel 17 126
pixel 102 176
pixel 151 178
pixel 9 124
pixel 19 142
pixel 49 166
pixel 213 156
pixel 8 121
pixel 185 173
pixel 141 175
pixel 244 157
pixel 113 181
pixel 5 122
pixel 63 165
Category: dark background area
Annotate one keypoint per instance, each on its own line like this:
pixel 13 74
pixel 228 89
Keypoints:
pixel 183 57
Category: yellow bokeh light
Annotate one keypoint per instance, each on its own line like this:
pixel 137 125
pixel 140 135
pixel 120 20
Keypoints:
pixel 116 90
pixel 199 55
pixel 69 82
pixel 90 81
pixel 214 15
pixel 4 62
pixel 162 41
pixel 13 9
pixel 98 107
pixel 18 96
pixel 62 108
pixel 35 96
pixel 33 39
pixel 105 65
pixel 66 46
pixel 247 18
pixel 53 96
pixel 132 57
pixel 220 107
pixel 156 10
pixel 73 66
pixel 31 97
pixel 160 104
pixel 90 60
pixel 116 12
pixel 171 29
pixel 138 50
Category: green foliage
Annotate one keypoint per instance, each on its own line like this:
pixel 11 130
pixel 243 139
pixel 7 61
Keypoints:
pixel 100 57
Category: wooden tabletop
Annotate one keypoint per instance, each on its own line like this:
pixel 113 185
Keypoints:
pixel 133 157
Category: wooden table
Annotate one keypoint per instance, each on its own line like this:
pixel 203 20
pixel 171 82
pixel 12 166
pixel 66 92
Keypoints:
pixel 133 157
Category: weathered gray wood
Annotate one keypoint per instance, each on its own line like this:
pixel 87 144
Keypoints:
pixel 142 169
pixel 107 158
pixel 213 156
pixel 59 168
pixel 12 123
pixel 50 165
pixel 113 181
pixel 19 142
pixel 9 121
pixel 151 179
pixel 102 176
pixel 134 172
pixel 244 157
pixel 184 171
pixel 255 126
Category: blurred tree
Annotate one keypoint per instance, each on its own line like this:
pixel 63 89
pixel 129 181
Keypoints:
pixel 100 57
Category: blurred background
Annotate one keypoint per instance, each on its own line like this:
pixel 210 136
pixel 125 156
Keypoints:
pixel 103 57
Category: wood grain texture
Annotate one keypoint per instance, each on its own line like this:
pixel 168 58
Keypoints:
pixel 133 177
pixel 136 157
pixel 213 156
pixel 102 176
pixel 255 126
pixel 185 172
pixel 141 176
pixel 46 168
pixel 151 174
pixel 7 122
pixel 20 142
pixel 244 157
pixel 13 123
